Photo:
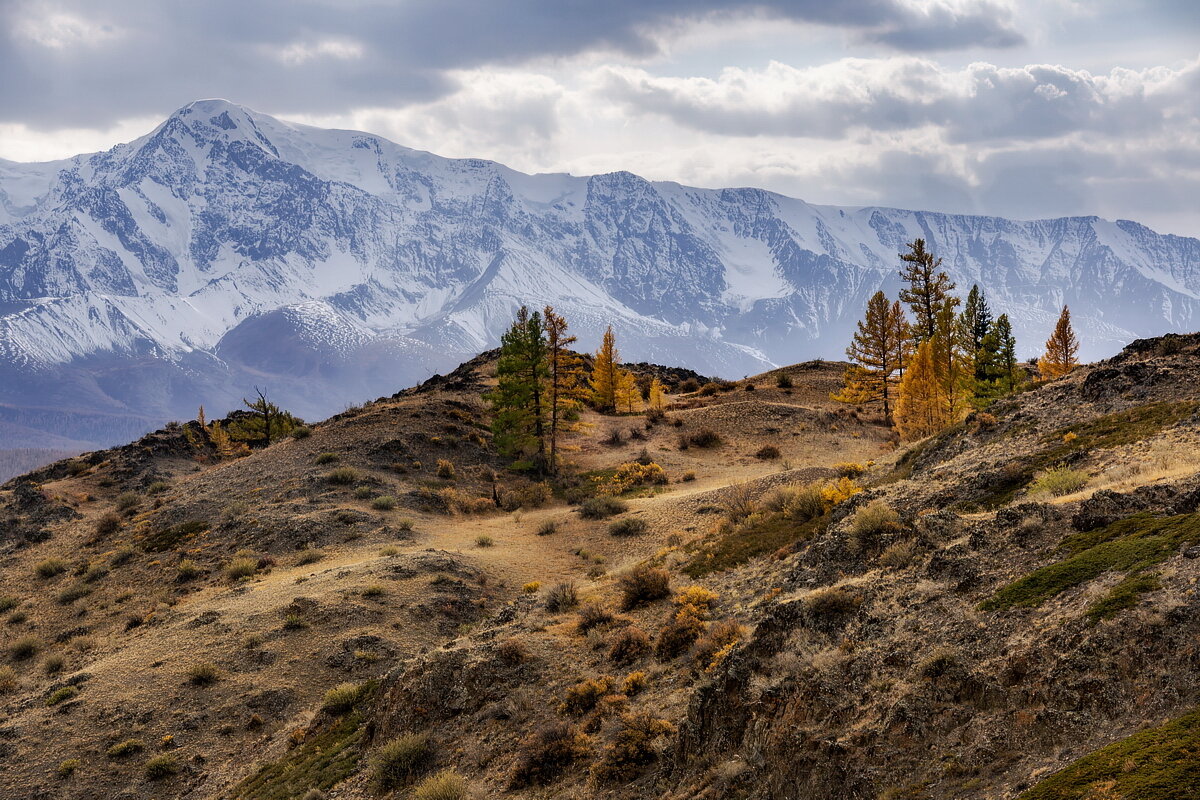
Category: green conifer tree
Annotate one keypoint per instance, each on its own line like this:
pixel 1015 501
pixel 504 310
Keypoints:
pixel 518 410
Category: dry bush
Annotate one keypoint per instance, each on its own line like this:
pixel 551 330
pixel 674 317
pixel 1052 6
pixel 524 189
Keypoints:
pixel 240 568
pixel 342 476
pixel 583 696
pixel 445 469
pixel 343 697
pixel 869 523
pixel 446 785
pixel 644 584
pixel 128 501
pixel 8 680
pixel 125 749
pixel 203 674
pixel 512 652
pixel 309 555
pixel 678 635
pixel 629 526
pixel 533 495
pixel 800 503
pixel 718 640
pixel 327 458
pixel 633 683
pixel 697 599
pixel 705 439
pixel 562 597
pixel 25 648
pixel 108 524
pixel 385 502
pixel 1059 481
pixel 547 753
pixel 632 749
pixel 899 554
pixel 630 644
pixel 601 507
pixel 50 567
pixel 739 501
pixel 484 540
pixel 547 528
pixel 767 452
pixel 399 761
pixel 160 767
pixel 832 601
pixel 593 615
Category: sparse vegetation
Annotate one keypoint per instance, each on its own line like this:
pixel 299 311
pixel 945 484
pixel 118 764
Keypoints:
pixel 241 568
pixel 601 507
pixel 483 540
pixel 309 555
pixel 644 584
pixel 25 648
pixel 445 469
pixel 1058 481
pixel 445 785
pixel 8 679
pixel 629 644
pixel 62 695
pixel 629 526
pixel 398 762
pixel 583 696
pixel 385 502
pixel 161 767
pixel 344 697
pixel 632 749
pixel 561 597
pixel 126 748
pixel 327 458
pixel 768 452
pixel 547 753
pixel 50 567
pixel 342 476
pixel 203 674
pixel 594 615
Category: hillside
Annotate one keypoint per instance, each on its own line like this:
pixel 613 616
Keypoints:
pixel 227 249
pixel 173 622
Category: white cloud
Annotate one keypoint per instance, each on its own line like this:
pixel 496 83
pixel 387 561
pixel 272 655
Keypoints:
pixel 60 30
pixel 298 53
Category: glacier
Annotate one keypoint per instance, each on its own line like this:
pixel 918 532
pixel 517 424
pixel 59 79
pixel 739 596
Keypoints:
pixel 229 249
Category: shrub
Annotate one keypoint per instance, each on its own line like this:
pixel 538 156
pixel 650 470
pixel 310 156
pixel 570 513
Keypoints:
pixel 869 523
pixel 94 572
pixel 533 495
pixel 898 555
pixel 50 567
pixel 399 761
pixel 7 603
pixel 718 640
pixel 697 598
pixel 342 476
pixel 363 492
pixel 160 767
pixel 158 487
pixel 25 648
pixel 705 438
pixel 446 785
pixel 832 601
pixel 840 491
pixel 531 587
pixel 68 767
pixel 385 502
pixel 8 679
pixel 644 584
pixel 309 555
pixel 632 748
pixel 445 469
pixel 546 528
pixel 512 651
pixel 613 439
pixel 62 695
pixel 678 634
pixel 128 501
pixel 783 380
pixel 294 622
pixel 561 597
pixel 767 452
pixel 343 697
pixel 187 570
pixel 583 696
pixel 601 507
pixel 203 674
pixel 240 568
pixel 374 590
pixel 405 525
pixel 125 749
pixel 629 526
pixel 301 432
pixel 633 683
pixel 108 524
pixel 688 476
pixel 630 644
pixel 483 540
pixel 72 593
pixel 122 556
pixel 327 458
pixel 593 615
pixel 709 389
pixel 849 469
pixel 1059 481
pixel 53 664
pixel 547 753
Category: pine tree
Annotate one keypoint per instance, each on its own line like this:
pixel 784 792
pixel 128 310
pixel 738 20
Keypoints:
pixel 921 409
pixel 604 373
pixel 267 422
pixel 876 353
pixel 518 422
pixel 564 389
pixel 1062 349
pixel 928 289
pixel 1006 353
pixel 977 322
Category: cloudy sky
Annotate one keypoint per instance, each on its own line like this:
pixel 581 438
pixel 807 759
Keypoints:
pixel 1024 108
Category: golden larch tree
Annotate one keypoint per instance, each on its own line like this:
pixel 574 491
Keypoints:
pixel 628 398
pixel 921 409
pixel 1062 349
pixel 658 400
pixel 604 373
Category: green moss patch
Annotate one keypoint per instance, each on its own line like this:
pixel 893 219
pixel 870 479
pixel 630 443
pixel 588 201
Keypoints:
pixel 321 762
pixel 1124 595
pixel 726 550
pixel 1162 763
pixel 1130 545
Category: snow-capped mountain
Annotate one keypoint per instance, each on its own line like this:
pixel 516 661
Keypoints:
pixel 228 248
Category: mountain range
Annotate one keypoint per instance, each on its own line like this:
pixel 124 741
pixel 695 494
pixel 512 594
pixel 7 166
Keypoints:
pixel 228 249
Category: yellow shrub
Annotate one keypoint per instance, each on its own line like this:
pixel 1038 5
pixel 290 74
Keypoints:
pixel 531 587
pixel 839 492
pixel 634 474
pixel 698 598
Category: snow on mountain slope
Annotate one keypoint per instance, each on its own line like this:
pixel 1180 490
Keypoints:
pixel 227 247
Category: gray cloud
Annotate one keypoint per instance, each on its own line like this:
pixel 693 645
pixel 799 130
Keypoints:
pixel 74 62
pixel 982 102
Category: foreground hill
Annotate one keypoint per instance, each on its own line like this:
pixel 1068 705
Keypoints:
pixel 228 248
pixel 173 622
